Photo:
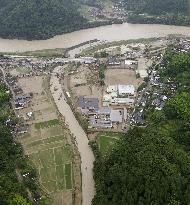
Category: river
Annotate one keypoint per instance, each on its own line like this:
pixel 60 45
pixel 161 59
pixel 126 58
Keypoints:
pixel 109 33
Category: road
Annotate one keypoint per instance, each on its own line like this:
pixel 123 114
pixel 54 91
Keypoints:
pixel 87 157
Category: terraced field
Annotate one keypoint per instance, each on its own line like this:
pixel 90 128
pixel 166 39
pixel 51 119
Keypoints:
pixel 53 159
pixel 49 147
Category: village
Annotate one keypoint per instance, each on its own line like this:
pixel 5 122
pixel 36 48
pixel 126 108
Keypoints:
pixel 109 90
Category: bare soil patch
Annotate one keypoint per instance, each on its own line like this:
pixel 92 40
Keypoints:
pixel 122 76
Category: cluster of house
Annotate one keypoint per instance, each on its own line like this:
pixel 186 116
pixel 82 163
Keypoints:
pixel 119 95
pixel 155 99
pixel 21 100
pixel 100 117
pixel 114 110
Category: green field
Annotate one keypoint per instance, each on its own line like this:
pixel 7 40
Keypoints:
pixel 68 176
pixel 106 141
pixel 52 157
pixel 46 124
pixel 22 70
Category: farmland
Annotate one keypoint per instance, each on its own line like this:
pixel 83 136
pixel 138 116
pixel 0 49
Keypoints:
pixel 48 144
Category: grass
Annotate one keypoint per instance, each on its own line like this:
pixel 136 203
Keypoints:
pixel 106 140
pixel 46 124
pixel 68 176
pixel 60 176
pixel 55 168
pixel 53 159
pixel 46 157
pixel 22 70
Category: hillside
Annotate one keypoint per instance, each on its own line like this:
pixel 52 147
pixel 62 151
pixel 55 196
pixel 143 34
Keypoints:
pixel 169 12
pixel 157 7
pixel 38 19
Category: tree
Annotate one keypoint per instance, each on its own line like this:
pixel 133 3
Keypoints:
pixel 19 200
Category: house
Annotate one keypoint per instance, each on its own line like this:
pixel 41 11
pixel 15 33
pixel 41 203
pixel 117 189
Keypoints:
pixel 111 89
pixel 22 128
pixel 21 100
pixel 99 123
pixel 88 103
pixel 116 116
pixel 104 111
pixel 113 61
pixel 88 60
pixel 142 73
pixel 137 118
pixel 126 101
pixel 131 64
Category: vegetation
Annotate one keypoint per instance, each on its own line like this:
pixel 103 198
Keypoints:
pixel 174 12
pixel 13 191
pixel 106 141
pixel 101 54
pixel 157 7
pixel 52 158
pixel 46 124
pixel 39 19
pixel 169 19
pixel 152 165
pixel 102 70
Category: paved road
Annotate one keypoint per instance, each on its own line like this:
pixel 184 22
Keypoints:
pixel 87 157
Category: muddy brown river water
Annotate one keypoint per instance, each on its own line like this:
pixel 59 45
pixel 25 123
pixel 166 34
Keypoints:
pixel 109 33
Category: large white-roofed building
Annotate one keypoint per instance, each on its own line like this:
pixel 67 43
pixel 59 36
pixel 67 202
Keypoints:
pixel 126 90
pixel 126 101
pixel 111 88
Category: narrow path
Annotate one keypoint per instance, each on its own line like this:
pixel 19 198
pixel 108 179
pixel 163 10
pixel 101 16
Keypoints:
pixel 87 157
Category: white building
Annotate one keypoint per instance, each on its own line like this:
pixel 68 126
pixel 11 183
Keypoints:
pixel 142 73
pixel 126 90
pixel 116 116
pixel 111 88
pixel 126 101
pixel 130 62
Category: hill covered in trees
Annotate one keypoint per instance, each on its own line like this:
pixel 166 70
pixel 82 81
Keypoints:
pixel 42 19
pixel 152 165
pixel 157 6
pixel 176 12
pixel 38 19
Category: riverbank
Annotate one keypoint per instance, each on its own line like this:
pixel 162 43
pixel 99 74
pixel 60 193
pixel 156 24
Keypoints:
pixel 81 139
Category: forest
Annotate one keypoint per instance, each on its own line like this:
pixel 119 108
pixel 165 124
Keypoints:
pixel 175 12
pixel 157 6
pixel 43 19
pixel 152 165
pixel 38 19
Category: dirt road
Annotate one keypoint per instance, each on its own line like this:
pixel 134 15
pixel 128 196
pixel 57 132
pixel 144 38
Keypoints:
pixel 87 157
